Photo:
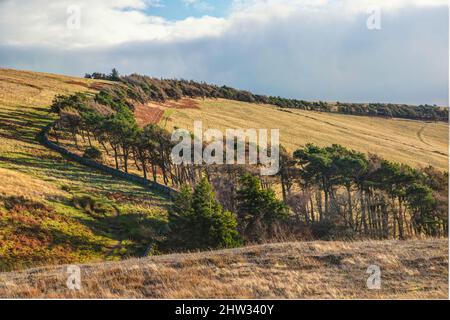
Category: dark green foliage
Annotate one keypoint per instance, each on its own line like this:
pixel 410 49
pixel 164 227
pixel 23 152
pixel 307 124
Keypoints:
pixel 78 101
pixel 197 221
pixel 380 184
pixel 113 76
pixel 422 203
pixel 258 209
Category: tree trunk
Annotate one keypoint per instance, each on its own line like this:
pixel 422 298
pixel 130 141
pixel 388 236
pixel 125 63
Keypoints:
pixel 350 207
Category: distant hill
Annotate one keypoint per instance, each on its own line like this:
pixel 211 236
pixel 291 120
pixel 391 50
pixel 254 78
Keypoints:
pixel 417 143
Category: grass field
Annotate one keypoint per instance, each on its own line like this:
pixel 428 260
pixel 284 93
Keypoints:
pixel 412 142
pixel 307 270
pixel 41 218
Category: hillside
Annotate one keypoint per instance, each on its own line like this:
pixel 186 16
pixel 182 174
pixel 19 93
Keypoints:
pixel 54 211
pixel 42 217
pixel 307 270
pixel 416 143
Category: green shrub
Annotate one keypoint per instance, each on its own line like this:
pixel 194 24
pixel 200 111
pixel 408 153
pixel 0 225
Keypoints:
pixel 91 205
pixel 92 153
pixel 197 221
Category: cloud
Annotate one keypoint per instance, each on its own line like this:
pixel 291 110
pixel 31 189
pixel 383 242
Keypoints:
pixel 102 23
pixel 309 49
pixel 106 22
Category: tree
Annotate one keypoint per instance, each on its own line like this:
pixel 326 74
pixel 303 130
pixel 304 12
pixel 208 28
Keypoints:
pixel 114 76
pixel 421 202
pixel 197 220
pixel 70 119
pixel 181 218
pixel 77 101
pixel 258 209
pixel 316 165
pixel 348 166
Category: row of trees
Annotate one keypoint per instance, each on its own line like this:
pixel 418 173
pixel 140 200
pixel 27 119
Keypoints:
pixel 143 89
pixel 113 76
pixel 389 110
pixel 327 192
pixel 362 195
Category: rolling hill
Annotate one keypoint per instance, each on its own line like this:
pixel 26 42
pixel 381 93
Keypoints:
pixel 54 211
pixel 416 143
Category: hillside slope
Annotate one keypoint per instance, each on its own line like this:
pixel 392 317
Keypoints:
pixel 416 143
pixel 42 217
pixel 409 269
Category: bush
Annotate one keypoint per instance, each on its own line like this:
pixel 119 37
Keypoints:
pixel 92 153
pixel 92 205
pixel 197 221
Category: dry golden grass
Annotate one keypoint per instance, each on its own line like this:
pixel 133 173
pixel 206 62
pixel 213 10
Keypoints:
pixel 22 185
pixel 305 270
pixel 413 142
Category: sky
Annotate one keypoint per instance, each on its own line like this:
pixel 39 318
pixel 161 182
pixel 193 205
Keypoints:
pixel 182 9
pixel 332 50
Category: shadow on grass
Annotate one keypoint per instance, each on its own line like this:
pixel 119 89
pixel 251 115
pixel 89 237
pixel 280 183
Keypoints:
pixel 55 167
pixel 137 230
pixel 24 125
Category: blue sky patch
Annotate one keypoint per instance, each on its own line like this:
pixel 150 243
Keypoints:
pixel 182 9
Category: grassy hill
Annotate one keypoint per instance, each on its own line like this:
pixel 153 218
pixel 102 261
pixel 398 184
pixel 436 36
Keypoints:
pixel 42 218
pixel 416 143
pixel 54 211
pixel 409 269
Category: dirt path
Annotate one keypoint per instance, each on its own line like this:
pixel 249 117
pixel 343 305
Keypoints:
pixel 420 136
pixel 346 130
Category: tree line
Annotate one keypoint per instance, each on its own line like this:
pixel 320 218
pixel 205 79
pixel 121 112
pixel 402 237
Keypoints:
pixel 319 193
pixel 144 89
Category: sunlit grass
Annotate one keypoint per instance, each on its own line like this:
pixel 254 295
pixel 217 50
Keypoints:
pixel 416 143
pixel 414 269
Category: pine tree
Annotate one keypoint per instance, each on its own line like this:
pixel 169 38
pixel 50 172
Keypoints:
pixel 180 217
pixel 197 220
pixel 114 76
pixel 258 209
